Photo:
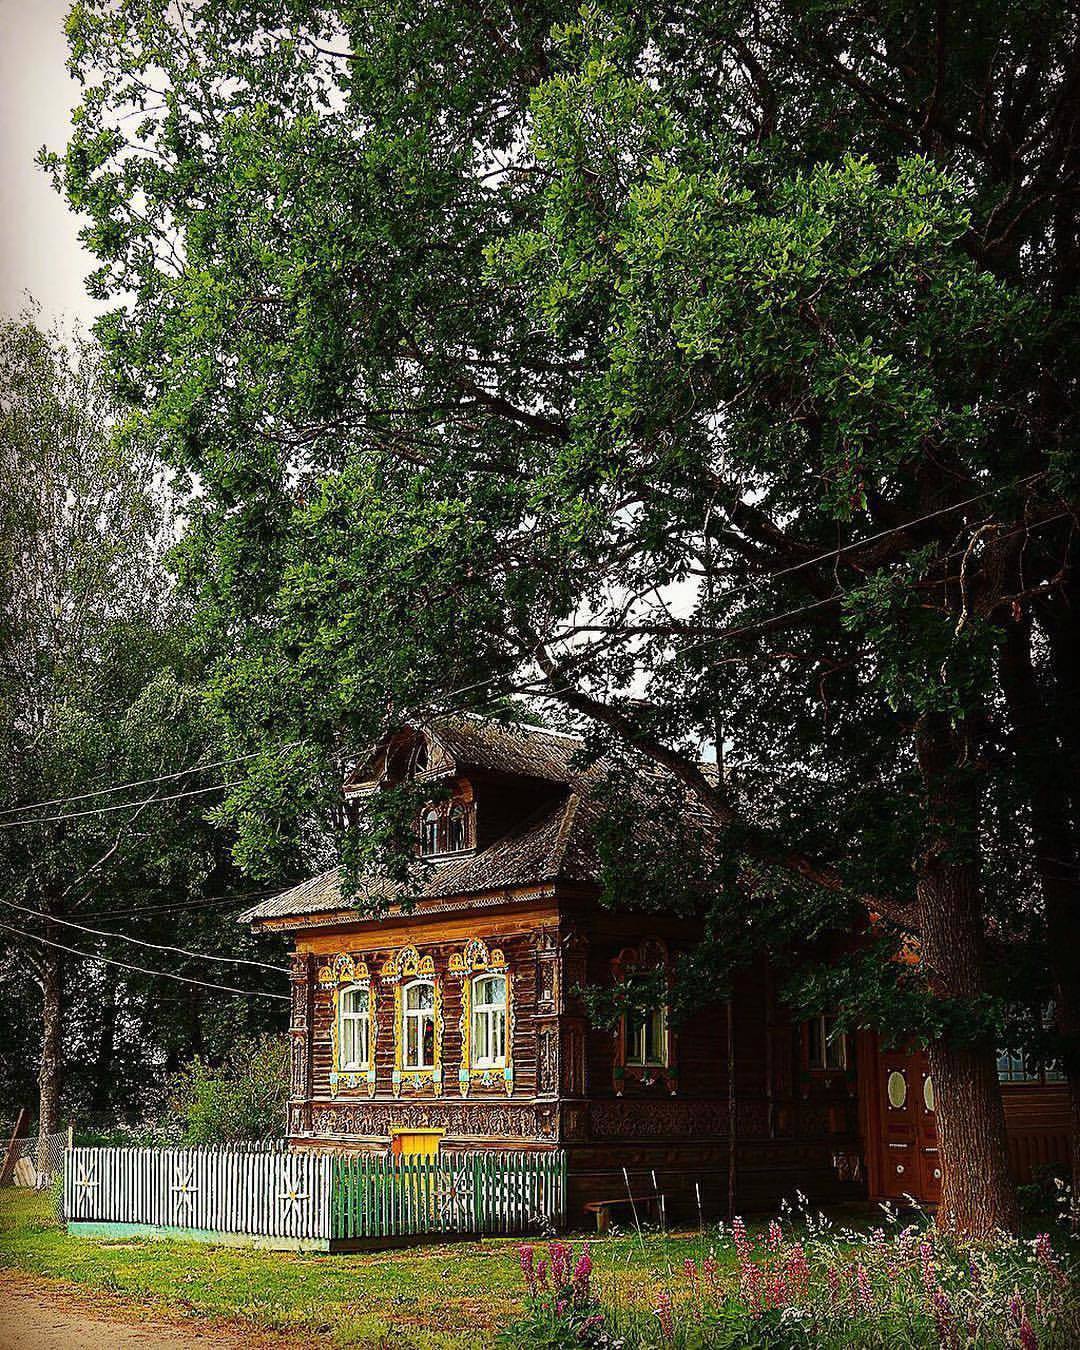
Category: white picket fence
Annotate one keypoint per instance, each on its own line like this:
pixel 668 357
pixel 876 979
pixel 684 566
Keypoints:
pixel 266 1192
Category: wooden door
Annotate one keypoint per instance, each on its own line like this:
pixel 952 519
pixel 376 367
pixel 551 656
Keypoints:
pixel 911 1163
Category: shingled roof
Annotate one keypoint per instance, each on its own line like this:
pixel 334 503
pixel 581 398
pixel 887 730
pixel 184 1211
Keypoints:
pixel 554 844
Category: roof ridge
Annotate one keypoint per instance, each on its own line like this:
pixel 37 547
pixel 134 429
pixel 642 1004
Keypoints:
pixel 562 838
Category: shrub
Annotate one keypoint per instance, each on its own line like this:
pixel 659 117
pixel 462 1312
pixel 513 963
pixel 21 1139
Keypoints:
pixel 241 1099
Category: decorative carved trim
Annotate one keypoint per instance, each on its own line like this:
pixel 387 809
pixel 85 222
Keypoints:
pixel 474 960
pixel 488 1120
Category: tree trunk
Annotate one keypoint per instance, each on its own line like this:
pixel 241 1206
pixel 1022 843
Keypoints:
pixel 50 1072
pixel 978 1196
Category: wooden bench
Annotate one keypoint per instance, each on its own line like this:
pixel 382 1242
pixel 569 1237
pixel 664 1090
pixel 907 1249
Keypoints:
pixel 646 1206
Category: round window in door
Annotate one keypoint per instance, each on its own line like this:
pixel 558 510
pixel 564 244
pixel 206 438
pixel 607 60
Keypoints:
pixel 896 1090
pixel 928 1093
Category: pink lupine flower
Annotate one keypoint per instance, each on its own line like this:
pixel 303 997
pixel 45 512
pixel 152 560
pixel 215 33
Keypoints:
pixel 594 1320
pixel 1016 1307
pixel 1044 1254
pixel 580 1282
pixel 528 1267
pixel 542 1275
pixel 775 1236
pixel 776 1293
pixel 864 1290
pixel 665 1315
pixel 943 1315
pixel 743 1245
pixel 926 1259
pixel 832 1279
pixel 1028 1339
pixel 797 1272
pixel 712 1269
pixel 560 1254
pixel 690 1271
pixel 560 1307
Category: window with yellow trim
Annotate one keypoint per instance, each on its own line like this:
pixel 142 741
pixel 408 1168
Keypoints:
pixel 418 1025
pixel 354 1028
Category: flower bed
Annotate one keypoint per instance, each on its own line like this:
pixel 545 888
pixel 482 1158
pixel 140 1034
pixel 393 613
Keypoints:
pixel 808 1285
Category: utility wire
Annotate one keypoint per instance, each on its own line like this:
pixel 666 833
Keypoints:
pixel 118 806
pixel 138 782
pixel 143 970
pixel 141 942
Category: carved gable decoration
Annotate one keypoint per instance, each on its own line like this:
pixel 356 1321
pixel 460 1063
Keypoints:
pixel 407 964
pixel 476 957
pixel 344 969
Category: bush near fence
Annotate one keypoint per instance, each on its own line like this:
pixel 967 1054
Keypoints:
pixel 306 1199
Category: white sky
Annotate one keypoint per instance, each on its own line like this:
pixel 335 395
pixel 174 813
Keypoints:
pixel 39 247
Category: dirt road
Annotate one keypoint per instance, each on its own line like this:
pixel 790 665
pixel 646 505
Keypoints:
pixel 47 1315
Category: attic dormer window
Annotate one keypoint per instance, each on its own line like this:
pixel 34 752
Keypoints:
pixel 446 828
pixel 429 832
pixel 457 829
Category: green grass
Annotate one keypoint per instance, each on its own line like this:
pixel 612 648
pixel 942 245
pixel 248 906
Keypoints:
pixel 425 1298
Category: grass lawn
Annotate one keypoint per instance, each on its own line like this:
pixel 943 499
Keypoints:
pixel 451 1295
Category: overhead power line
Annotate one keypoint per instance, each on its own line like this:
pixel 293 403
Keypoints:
pixel 118 806
pixel 141 942
pixel 137 782
pixel 143 970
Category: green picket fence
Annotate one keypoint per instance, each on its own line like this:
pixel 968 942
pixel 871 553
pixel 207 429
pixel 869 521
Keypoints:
pixel 374 1196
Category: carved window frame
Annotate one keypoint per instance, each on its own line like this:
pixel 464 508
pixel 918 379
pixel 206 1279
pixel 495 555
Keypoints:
pixel 404 968
pixel 648 954
pixel 475 962
pixel 347 971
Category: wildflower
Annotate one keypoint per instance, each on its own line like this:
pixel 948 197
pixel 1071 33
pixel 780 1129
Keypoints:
pixel 665 1315
pixel 711 1268
pixel 580 1282
pixel 691 1273
pixel 743 1246
pixel 560 1255
pixel 593 1320
pixel 1044 1254
pixel 797 1272
pixel 528 1267
pixel 1028 1339
pixel 541 1275
pixel 1016 1307
pixel 943 1315
pixel 864 1290
pixel 776 1291
pixel 832 1279
pixel 775 1237
pixel 926 1260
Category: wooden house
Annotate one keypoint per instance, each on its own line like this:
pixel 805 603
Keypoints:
pixel 453 1023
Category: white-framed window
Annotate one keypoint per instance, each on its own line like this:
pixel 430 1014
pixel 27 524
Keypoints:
pixel 429 832
pixel 646 1039
pixel 418 1016
pixel 1014 1068
pixel 826 1048
pixel 488 1043
pixel 457 828
pixel 354 1027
